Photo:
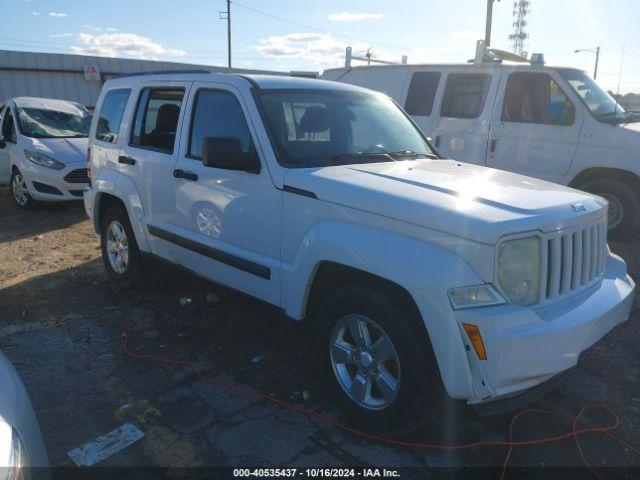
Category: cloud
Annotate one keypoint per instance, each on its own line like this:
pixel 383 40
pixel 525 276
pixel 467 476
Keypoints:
pixel 35 14
pixel 320 48
pixel 316 48
pixel 122 45
pixel 111 29
pixel 57 14
pixel 467 34
pixel 354 17
pixel 61 35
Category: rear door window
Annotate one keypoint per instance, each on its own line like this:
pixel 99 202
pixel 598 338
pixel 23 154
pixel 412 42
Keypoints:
pixel 156 120
pixel 422 93
pixel 465 95
pixel 110 115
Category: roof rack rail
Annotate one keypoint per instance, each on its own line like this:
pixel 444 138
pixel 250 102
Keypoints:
pixel 162 72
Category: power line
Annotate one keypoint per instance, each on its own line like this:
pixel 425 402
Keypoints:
pixel 339 35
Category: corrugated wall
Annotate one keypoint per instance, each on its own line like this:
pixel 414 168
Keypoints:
pixel 54 75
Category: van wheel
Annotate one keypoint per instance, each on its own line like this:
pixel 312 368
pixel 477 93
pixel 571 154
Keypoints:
pixel 380 367
pixel 19 191
pixel 120 253
pixel 624 205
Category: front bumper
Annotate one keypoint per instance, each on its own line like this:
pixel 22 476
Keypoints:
pixel 50 178
pixel 528 346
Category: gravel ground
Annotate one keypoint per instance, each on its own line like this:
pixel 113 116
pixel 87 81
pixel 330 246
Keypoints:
pixel 61 321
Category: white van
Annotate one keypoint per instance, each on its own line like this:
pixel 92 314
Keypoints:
pixel 323 199
pixel 552 123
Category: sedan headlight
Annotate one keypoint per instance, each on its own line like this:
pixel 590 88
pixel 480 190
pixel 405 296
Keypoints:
pixel 519 270
pixel 13 457
pixel 43 160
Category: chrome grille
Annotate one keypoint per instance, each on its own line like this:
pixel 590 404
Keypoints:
pixel 573 259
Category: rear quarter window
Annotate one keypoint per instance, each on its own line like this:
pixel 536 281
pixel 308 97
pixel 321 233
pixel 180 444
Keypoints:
pixel 422 93
pixel 110 115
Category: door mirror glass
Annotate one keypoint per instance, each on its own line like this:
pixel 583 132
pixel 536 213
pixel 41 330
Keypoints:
pixel 227 153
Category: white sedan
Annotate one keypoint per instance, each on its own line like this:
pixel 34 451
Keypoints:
pixel 43 148
pixel 21 445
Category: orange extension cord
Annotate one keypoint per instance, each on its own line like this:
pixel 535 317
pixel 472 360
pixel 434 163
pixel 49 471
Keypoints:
pixel 511 443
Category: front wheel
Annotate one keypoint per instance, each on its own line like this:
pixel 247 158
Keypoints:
pixel 624 205
pixel 20 192
pixel 378 360
pixel 120 253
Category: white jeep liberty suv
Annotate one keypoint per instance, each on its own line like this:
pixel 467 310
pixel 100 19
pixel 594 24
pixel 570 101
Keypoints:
pixel 418 274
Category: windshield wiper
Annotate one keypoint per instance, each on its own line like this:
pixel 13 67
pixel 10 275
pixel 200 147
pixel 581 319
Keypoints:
pixel 411 153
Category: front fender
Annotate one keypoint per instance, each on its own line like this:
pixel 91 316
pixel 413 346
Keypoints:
pixel 120 186
pixel 425 270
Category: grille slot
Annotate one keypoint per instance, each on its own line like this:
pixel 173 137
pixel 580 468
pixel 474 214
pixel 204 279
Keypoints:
pixel 77 176
pixel 573 259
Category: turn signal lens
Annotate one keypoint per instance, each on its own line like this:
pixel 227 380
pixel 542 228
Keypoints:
pixel 476 340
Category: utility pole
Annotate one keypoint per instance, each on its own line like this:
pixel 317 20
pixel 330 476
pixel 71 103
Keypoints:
pixel 229 31
pixel 487 28
pixel 597 52
pixel 227 16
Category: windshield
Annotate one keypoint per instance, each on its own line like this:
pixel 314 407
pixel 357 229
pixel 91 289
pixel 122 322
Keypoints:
pixel 601 105
pixel 315 128
pixel 42 123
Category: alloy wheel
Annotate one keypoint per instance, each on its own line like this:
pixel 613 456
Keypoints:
pixel 117 247
pixel 19 190
pixel 365 362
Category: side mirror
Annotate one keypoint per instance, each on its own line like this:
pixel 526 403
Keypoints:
pixel 227 153
pixel 2 142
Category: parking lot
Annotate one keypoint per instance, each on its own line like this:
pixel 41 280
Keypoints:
pixel 61 324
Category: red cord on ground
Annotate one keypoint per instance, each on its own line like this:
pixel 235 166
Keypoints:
pixel 511 443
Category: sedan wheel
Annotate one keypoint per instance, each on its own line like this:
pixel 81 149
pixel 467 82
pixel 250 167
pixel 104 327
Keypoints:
pixel 365 362
pixel 19 190
pixel 117 247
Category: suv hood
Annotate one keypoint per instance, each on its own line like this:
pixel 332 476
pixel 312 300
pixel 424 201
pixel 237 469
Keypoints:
pixel 478 203
pixel 65 150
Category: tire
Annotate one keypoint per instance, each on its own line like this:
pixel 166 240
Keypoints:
pixel 117 240
pixel 624 205
pixel 419 391
pixel 19 192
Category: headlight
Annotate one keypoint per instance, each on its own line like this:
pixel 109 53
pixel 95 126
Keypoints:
pixel 43 160
pixel 13 457
pixel 474 296
pixel 519 270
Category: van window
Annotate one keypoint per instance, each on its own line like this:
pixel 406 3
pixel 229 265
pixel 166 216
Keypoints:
pixel 156 120
pixel 111 115
pixel 9 128
pixel 536 98
pixel 216 114
pixel 465 95
pixel 422 92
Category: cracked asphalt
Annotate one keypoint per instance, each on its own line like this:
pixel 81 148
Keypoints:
pixel 60 324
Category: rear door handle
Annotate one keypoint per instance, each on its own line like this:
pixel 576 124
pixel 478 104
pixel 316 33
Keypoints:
pixel 178 173
pixel 492 145
pixel 126 160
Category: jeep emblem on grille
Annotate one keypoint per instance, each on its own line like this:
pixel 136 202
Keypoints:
pixel 578 207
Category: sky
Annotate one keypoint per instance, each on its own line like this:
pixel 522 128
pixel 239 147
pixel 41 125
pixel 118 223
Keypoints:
pixel 313 34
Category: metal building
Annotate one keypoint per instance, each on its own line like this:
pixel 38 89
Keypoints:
pixel 75 77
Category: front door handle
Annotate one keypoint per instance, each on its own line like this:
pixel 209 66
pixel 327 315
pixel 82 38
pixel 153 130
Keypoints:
pixel 492 145
pixel 126 160
pixel 179 173
pixel 437 142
